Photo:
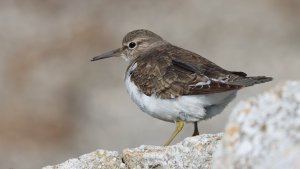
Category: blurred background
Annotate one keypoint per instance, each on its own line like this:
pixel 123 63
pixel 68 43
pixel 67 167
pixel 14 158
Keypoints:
pixel 55 104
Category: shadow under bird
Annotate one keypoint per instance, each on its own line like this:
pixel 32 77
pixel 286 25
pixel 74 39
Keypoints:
pixel 174 84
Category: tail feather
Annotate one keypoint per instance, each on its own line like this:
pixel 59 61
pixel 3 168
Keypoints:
pixel 250 81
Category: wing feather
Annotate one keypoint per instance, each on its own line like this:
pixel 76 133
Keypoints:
pixel 169 78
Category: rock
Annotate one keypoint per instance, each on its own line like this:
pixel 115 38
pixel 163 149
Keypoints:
pixel 263 132
pixel 192 152
pixel 95 160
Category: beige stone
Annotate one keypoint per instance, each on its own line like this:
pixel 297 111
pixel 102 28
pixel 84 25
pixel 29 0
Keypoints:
pixel 263 132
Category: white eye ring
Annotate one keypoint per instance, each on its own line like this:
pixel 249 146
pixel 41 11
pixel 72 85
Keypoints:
pixel 131 45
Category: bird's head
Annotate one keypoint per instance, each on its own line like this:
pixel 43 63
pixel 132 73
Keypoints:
pixel 133 45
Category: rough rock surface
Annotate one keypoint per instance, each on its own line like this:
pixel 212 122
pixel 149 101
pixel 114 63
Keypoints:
pixel 98 159
pixel 192 152
pixel 263 132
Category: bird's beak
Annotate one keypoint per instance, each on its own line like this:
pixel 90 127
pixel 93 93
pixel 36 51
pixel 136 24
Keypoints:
pixel 113 53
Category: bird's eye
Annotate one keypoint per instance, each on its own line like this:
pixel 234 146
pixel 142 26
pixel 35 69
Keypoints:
pixel 132 45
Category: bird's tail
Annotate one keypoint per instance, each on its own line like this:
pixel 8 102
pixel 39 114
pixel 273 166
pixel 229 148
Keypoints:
pixel 250 81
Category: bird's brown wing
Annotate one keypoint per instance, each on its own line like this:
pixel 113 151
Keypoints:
pixel 167 77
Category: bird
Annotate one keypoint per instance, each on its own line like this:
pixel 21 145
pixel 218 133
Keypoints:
pixel 174 84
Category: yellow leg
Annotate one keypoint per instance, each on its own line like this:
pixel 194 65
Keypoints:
pixel 179 126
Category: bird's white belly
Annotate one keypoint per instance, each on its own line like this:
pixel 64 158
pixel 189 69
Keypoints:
pixel 188 108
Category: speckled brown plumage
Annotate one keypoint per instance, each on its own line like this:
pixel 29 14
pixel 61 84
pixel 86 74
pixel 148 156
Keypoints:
pixel 170 71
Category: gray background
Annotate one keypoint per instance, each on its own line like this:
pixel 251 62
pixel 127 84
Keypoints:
pixel 55 104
